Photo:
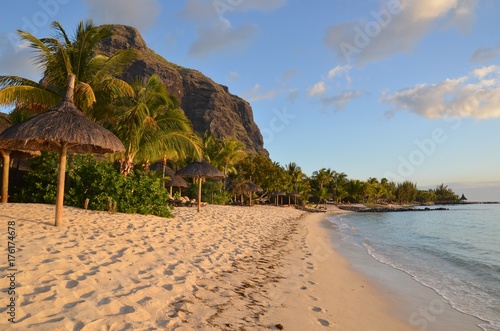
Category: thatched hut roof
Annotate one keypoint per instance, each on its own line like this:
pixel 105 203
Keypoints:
pixel 4 123
pixel 177 181
pixel 15 154
pixel 158 166
pixel 200 169
pixel 63 123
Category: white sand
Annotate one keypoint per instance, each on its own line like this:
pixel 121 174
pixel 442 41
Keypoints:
pixel 225 268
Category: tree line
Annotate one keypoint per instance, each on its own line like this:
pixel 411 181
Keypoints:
pixel 153 128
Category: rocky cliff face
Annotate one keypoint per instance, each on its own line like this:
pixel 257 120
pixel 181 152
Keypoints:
pixel 208 105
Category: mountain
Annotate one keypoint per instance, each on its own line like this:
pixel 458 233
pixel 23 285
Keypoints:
pixel 208 105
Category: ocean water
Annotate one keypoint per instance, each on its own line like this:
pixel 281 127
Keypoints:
pixel 454 252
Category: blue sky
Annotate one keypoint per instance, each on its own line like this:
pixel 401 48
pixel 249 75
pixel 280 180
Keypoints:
pixel 403 89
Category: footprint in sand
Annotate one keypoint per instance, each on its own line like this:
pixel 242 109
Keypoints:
pixel 72 284
pixel 72 304
pixel 316 309
pixel 104 301
pixel 126 310
pixel 323 322
pixel 87 295
pixel 168 287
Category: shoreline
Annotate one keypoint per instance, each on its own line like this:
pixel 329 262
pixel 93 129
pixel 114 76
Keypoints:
pixel 418 304
pixel 322 291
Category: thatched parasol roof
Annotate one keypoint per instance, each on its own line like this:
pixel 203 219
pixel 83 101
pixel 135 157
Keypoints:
pixel 63 129
pixel 200 169
pixel 16 154
pixel 63 123
pixel 177 181
pixel 4 123
pixel 158 166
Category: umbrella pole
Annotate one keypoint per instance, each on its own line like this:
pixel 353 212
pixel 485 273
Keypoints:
pixel 60 184
pixel 199 193
pixel 5 177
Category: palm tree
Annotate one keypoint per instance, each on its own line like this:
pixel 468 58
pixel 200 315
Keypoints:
pixel 296 175
pixel 323 177
pixel 59 56
pixel 231 153
pixel 338 183
pixel 224 154
pixel 151 126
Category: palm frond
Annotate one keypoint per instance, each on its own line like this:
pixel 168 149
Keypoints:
pixel 6 81
pixel 28 97
pixel 60 32
pixel 118 63
pixel 84 96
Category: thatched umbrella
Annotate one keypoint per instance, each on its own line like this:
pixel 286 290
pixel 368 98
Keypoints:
pixel 251 188
pixel 294 194
pixel 7 155
pixel 63 129
pixel 277 194
pixel 200 170
pixel 176 181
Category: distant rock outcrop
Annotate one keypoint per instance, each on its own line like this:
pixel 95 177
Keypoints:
pixel 208 105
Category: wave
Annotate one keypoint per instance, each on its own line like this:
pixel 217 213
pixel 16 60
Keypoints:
pixel 467 297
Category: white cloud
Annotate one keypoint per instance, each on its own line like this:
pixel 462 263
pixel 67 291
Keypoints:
pixel 233 76
pixel 486 54
pixel 214 29
pixel 339 70
pixel 287 75
pixel 341 100
pixel 217 38
pixel 139 14
pixel 396 27
pixel 256 94
pixel 318 89
pixel 477 95
pixel 485 71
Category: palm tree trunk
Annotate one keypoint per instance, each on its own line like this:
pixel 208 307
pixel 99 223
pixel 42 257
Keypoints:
pixel 127 165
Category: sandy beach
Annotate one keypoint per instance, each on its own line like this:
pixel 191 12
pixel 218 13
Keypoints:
pixel 226 268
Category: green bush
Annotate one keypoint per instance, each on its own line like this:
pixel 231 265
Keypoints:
pixel 98 181
pixel 41 181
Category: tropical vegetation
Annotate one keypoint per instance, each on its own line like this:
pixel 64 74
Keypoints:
pixel 153 128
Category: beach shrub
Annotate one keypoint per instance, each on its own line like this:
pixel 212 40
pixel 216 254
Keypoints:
pixel 94 180
pixel 144 194
pixel 101 182
pixel 40 182
pixel 98 181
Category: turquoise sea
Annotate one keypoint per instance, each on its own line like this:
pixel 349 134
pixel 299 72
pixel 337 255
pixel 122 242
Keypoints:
pixel 455 252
